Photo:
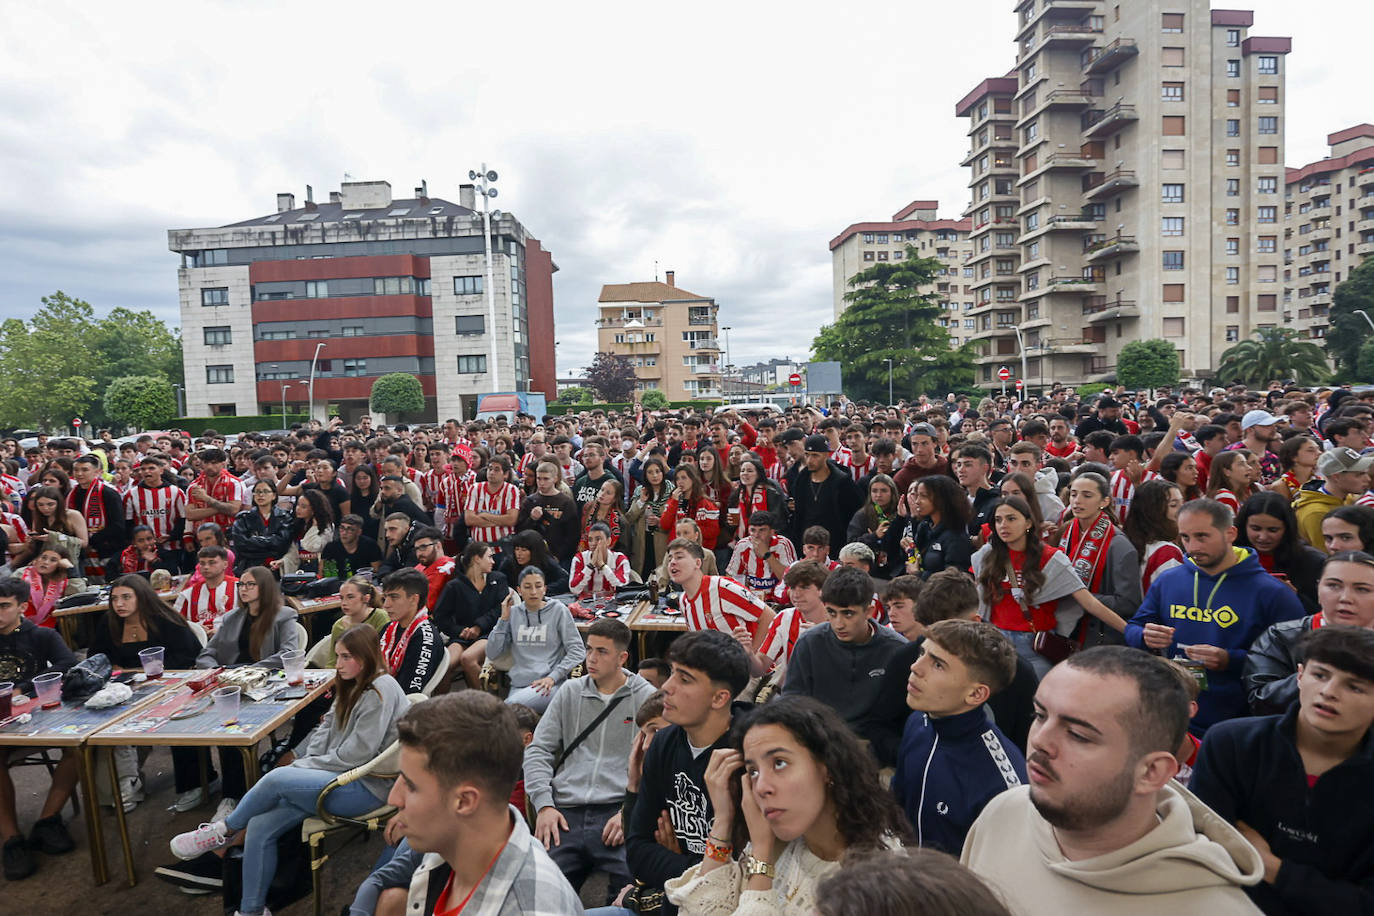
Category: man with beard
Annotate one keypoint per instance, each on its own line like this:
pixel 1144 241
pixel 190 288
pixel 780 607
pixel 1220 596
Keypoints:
pixel 824 494
pixel 1102 828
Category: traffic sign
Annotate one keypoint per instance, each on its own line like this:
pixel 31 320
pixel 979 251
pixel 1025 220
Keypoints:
pixel 794 379
pixel 1020 383
pixel 1003 374
pixel 77 422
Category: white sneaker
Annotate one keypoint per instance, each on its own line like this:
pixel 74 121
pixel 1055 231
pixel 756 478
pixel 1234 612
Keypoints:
pixel 225 808
pixel 203 839
pixel 131 792
pixel 265 912
pixel 188 800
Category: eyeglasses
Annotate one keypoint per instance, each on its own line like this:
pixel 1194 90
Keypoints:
pixel 427 545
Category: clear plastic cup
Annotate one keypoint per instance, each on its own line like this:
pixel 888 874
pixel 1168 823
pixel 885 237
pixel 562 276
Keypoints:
pixel 151 658
pixel 47 688
pixel 6 692
pixel 293 663
pixel 226 704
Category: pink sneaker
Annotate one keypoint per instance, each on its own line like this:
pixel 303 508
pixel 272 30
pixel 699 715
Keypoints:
pixel 203 839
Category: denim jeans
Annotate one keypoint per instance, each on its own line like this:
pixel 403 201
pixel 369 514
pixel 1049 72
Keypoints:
pixel 581 852
pixel 279 802
pixel 1022 640
pixel 528 696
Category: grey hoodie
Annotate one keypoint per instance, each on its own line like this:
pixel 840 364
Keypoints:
pixel 371 729
pixel 594 774
pixel 542 643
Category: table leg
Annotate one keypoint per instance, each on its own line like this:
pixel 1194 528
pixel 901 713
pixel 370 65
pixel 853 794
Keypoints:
pixel 67 626
pixel 203 758
pixel 94 833
pixel 122 821
pixel 250 766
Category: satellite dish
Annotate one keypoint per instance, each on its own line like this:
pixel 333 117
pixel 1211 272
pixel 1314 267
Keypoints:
pixel 491 175
pixel 472 176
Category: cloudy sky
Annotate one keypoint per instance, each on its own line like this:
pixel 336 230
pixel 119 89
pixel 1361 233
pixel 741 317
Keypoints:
pixel 727 142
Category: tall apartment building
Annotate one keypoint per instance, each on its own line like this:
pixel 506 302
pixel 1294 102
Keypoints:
pixel 668 333
pixel 1328 226
pixel 1147 141
pixel 384 285
pixel 862 245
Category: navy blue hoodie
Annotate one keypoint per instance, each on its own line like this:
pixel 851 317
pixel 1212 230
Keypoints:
pixel 1250 770
pixel 1228 611
pixel 948 769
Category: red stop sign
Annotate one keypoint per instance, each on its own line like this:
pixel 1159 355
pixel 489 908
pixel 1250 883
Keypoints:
pixel 1020 384
pixel 77 422
pixel 794 379
pixel 1003 374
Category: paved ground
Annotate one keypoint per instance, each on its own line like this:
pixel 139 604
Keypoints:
pixel 64 884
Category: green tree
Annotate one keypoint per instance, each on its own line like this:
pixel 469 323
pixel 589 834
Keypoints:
pixel 1348 331
pixel 612 377
pixel 1145 364
pixel 140 401
pixel 45 364
pixel 575 395
pixel 1364 363
pixel 889 318
pixel 653 399
pixel 397 392
pixel 1274 353
pixel 128 343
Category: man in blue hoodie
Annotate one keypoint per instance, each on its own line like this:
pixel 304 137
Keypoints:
pixel 1210 609
pixel 952 759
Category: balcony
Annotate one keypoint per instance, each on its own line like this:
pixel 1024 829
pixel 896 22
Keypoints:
pixel 1070 36
pixel 1111 247
pixel 1069 345
pixel 704 369
pixel 1104 123
pixel 1364 249
pixel 1065 160
pixel 704 344
pixel 1054 9
pixel 1366 178
pixel 704 394
pixel 1111 56
pixel 619 322
pixel 700 320
pixel 1073 283
pixel 1365 224
pixel 1112 183
pixel 1111 311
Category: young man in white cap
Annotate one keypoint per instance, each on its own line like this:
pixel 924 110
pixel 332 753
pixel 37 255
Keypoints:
pixel 1258 430
pixel 1346 476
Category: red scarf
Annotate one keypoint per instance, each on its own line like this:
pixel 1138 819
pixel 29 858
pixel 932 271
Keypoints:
pixel 1087 556
pixel 93 509
pixel 751 501
pixel 394 646
pixel 42 599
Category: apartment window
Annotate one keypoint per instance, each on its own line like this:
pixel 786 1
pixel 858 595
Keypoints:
pixel 477 324
pixel 1233 127
pixel 1268 185
pixel 215 295
pixel 1267 214
pixel 1171 57
pixel 219 375
pixel 472 365
pixel 353 330
pixel 1233 38
pixel 1173 292
pixel 1172 159
pixel 318 333
pixel 1173 327
pixel 1232 305
pixel 1232 275
pixel 1233 246
pixel 1032 131
pixel 1171 225
pixel 316 289
pixel 882 256
pixel 1268 155
pixel 896 255
pixel 1268 244
pixel 1268 124
pixel 1267 302
pixel 1232 333
pixel 468 286
pixel 1032 221
pixel 276 335
pixel 1233 157
pixel 1268 95
pixel 1173 22
pixel 1174 126
pixel 1267 273
pixel 355 367
pixel 1233 68
pixel 1232 98
pixel 868 255
pixel 1172 194
pixel 1173 260
pixel 393 286
pixel 1233 217
pixel 218 336
pixel 1172 92
pixel 1233 187
pixel 1268 64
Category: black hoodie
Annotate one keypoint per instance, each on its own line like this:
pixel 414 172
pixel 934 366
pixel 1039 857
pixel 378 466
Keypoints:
pixel 29 651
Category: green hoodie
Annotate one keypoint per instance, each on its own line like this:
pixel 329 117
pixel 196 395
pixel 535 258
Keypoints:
pixel 1311 507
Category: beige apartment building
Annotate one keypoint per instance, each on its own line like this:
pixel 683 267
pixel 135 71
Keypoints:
pixel 1125 182
pixel 862 245
pixel 1328 227
pixel 668 333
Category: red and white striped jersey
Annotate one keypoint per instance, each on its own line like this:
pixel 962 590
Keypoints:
pixel 780 593
pixel 782 636
pixel 587 580
pixel 525 461
pixel 13 489
pixel 205 605
pixel 160 508
pixel 1366 498
pixel 1123 491
pixel 481 499
pixel 429 486
pixel 751 569
pixel 224 488
pixel 21 527
pixel 1159 556
pixel 858 469
pixel 722 604
pixel 452 492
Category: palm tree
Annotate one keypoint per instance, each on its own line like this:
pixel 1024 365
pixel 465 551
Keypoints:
pixel 1275 353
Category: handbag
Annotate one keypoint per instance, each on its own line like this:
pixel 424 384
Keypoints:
pixel 1048 644
pixel 644 899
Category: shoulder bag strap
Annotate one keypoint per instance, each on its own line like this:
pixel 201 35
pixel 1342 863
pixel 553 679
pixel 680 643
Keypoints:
pixel 582 735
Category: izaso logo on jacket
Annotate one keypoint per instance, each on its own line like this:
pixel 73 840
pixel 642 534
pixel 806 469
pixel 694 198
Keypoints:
pixel 1221 616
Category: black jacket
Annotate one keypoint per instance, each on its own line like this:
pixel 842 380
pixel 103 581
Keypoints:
pixel 178 641
pixel 407 505
pixel 830 504
pixel 1250 770
pixel 114 536
pixel 562 533
pixel 941 547
pixel 555 577
pixel 31 650
pixel 256 541
pixel 461 606
pixel 1271 667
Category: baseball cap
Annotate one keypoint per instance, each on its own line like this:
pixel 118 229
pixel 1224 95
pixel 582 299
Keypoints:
pixel 924 429
pixel 1108 403
pixel 792 434
pixel 817 444
pixel 1257 418
pixel 1342 460
pixel 463 451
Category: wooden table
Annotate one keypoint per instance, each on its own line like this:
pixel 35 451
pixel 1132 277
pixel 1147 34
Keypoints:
pixel 257 721
pixel 71 725
pixel 648 619
pixel 307 606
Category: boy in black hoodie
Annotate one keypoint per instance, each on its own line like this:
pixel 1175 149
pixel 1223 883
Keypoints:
pixel 26 651
pixel 1300 786
pixel 672 815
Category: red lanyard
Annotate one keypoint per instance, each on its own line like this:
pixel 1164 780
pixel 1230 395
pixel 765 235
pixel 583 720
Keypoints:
pixel 448 885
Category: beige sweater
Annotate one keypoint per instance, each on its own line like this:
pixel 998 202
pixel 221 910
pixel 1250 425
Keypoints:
pixel 721 892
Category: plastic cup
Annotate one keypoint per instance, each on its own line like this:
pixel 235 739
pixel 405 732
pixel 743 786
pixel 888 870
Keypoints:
pixel 226 704
pixel 151 658
pixel 6 692
pixel 293 663
pixel 48 689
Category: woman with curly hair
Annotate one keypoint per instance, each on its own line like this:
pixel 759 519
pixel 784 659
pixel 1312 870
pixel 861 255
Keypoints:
pixel 314 529
pixel 795 791
pixel 934 535
pixel 1152 526
pixel 1298 458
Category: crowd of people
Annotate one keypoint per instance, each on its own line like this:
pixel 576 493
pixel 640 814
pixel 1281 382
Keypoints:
pixel 1105 652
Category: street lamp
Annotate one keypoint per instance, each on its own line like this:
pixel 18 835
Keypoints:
pixel 726 380
pixel 889 381
pixel 1021 342
pixel 485 179
pixel 1365 315
pixel 313 361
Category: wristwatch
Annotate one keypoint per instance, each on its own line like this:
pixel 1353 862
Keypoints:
pixel 753 866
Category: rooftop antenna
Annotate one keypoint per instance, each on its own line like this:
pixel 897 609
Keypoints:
pixel 655 271
pixel 348 176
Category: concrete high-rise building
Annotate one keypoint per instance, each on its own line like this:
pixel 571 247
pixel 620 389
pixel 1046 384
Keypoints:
pixel 668 333
pixel 862 245
pixel 1328 227
pixel 1148 149
pixel 385 285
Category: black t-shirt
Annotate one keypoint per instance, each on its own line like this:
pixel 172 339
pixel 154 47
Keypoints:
pixel 336 494
pixel 350 564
